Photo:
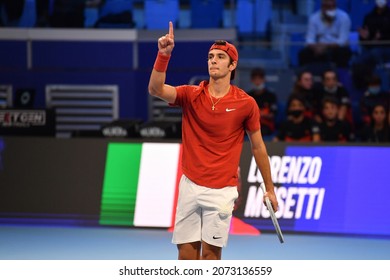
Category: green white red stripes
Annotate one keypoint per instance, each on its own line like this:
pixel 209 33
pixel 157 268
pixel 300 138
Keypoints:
pixel 139 184
pixel 120 184
pixel 157 184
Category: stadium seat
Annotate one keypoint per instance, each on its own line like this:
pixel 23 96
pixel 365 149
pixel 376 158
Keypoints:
pixel 116 14
pixel 245 17
pixel 253 18
pixel 207 13
pixel 358 10
pixel 263 16
pixel 155 18
pixel 29 15
pixel 354 42
pixel 297 41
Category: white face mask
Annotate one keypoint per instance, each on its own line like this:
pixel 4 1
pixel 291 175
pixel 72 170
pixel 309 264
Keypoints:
pixel 381 3
pixel 331 13
pixel 331 90
pixel 260 87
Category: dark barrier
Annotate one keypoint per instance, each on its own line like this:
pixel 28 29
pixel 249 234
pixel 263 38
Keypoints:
pixel 27 122
pixel 51 179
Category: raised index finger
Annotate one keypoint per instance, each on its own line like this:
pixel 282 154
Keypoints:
pixel 171 30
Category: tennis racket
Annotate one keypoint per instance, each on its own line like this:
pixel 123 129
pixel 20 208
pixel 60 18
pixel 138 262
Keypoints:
pixel 273 216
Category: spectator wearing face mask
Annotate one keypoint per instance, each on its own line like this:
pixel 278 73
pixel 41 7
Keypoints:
pixel 331 87
pixel 304 88
pixel 331 129
pixel 374 95
pixel 327 37
pixel 266 100
pixel 297 127
pixel 374 36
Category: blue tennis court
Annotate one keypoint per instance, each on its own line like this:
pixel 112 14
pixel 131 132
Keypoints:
pixel 39 242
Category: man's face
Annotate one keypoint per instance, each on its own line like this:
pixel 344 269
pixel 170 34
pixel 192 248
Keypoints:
pixel 328 5
pixel 328 8
pixel 296 105
pixel 379 114
pixel 330 80
pixel 330 111
pixel 306 81
pixel 258 80
pixel 218 63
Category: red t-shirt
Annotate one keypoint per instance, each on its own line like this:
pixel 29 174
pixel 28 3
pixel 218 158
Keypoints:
pixel 212 140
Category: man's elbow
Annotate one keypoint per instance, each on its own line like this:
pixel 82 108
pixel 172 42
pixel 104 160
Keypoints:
pixel 153 91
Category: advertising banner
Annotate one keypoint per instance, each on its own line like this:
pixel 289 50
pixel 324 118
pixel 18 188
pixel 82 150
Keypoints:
pixel 323 189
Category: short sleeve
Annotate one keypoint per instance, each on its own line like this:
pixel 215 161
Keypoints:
pixel 180 96
pixel 252 122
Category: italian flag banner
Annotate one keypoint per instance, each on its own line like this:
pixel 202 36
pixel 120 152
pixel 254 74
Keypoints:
pixel 140 184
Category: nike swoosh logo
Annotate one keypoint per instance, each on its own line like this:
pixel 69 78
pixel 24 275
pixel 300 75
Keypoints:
pixel 217 237
pixel 229 110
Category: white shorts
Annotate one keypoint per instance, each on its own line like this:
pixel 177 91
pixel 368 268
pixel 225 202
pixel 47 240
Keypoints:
pixel 203 214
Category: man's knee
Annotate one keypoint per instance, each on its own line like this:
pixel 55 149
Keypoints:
pixel 189 251
pixel 210 252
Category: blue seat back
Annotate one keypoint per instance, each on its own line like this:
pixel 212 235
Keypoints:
pixel 245 16
pixel 159 12
pixel 207 13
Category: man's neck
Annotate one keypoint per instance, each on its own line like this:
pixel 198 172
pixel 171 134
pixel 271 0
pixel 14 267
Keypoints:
pixel 219 88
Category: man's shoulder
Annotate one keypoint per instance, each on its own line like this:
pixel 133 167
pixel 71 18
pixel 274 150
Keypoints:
pixel 239 92
pixel 241 95
pixel 343 14
pixel 191 88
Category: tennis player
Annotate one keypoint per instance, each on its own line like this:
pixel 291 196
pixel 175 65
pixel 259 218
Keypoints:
pixel 215 116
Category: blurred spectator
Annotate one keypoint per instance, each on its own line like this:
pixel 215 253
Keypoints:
pixel 297 127
pixel 331 129
pixel 95 3
pixel 331 87
pixel 10 12
pixel 42 8
pixel 373 96
pixel 265 99
pixel 57 14
pixel 114 13
pixel 68 13
pixel 378 130
pixel 327 38
pixel 303 88
pixel 374 36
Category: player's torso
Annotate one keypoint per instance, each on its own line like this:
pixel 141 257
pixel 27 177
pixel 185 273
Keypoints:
pixel 217 117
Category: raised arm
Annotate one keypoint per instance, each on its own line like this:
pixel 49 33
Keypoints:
pixel 157 86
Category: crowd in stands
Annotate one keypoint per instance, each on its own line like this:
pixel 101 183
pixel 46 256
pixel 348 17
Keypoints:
pixel 316 111
pixel 322 111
